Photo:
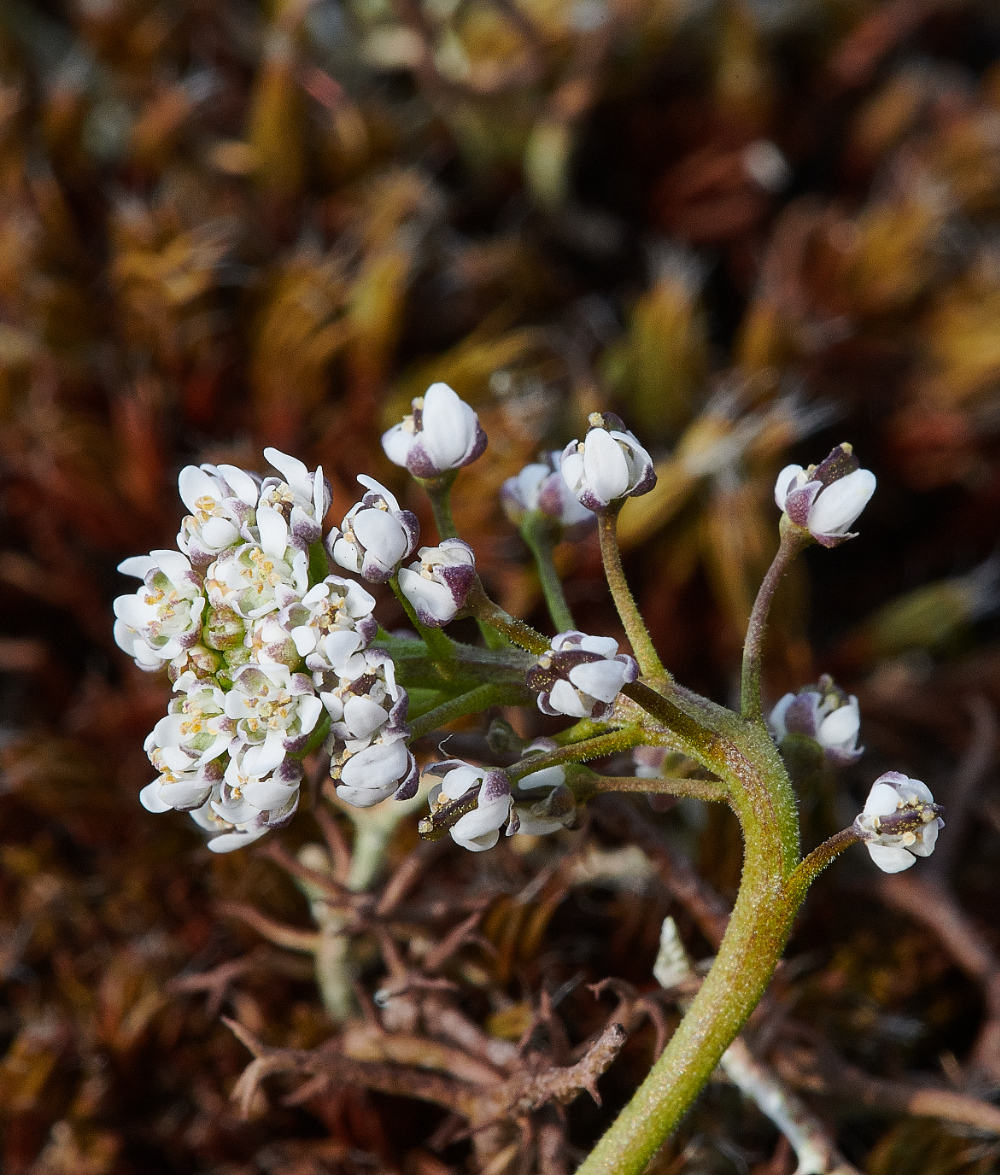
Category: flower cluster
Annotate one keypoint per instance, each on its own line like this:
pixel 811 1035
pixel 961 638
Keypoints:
pixel 268 650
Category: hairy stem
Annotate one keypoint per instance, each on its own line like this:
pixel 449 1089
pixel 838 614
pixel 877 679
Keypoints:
pixel 710 790
pixel 537 533
pixel 793 540
pixel 635 628
pixel 484 609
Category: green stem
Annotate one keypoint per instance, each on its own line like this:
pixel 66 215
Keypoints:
pixel 635 628
pixel 438 489
pixel 710 790
pixel 537 533
pixel 484 609
pixel 480 698
pixel 593 748
pixel 760 793
pixel 793 540
pixel 808 870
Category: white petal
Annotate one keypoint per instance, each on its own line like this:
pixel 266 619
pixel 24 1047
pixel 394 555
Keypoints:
pixel 449 426
pixel 376 487
pixel 604 646
pixel 926 840
pixel 840 728
pixel 376 767
pixel 427 596
pixel 264 757
pixel 269 794
pixel 604 464
pixel 396 443
pixel 600 679
pixel 219 533
pixel 784 484
pixel 137 565
pixel 839 504
pixel 241 483
pixel 777 718
pixel 304 639
pixel 565 699
pixel 273 532
pixel 457 782
pixel 291 468
pixel 363 716
pixel 571 467
pixel 150 799
pixel 890 859
pixel 382 535
pixel 309 710
pixel 194 483
pixel 882 800
pixel 547 777
pixel 229 841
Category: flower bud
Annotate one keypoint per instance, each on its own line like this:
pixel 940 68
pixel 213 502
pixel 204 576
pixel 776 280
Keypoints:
pixel 481 796
pixel 439 583
pixel 825 499
pixel 442 433
pixel 899 823
pixel 607 465
pixel 542 487
pixel 581 676
pixel 375 535
pixel 823 713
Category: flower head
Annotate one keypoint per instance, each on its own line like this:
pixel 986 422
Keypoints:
pixel 542 487
pixel 442 433
pixel 481 798
pixel 375 535
pixel 302 498
pixel 222 500
pixel 162 618
pixel 608 464
pixel 899 823
pixel 823 713
pixel 438 584
pixel 554 807
pixel 825 499
pixel 581 676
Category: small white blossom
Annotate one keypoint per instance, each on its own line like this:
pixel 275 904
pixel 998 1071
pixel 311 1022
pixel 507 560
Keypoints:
pixel 370 758
pixel 245 805
pixel 442 433
pixel 581 676
pixel 553 811
pixel 375 535
pixel 826 499
pixel 542 487
pixel 254 579
pixel 302 499
pixel 607 465
pixel 899 823
pixel 481 795
pixel 162 618
pixel 275 712
pixel 438 584
pixel 825 714
pixel 331 623
pixel 222 500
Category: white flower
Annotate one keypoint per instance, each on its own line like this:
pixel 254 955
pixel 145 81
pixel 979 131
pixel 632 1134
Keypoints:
pixel 481 795
pixel 375 535
pixel 899 823
pixel 222 500
pixel 442 433
pixel 195 729
pixel 183 788
pixel 823 713
pixel 331 623
pixel 542 487
pixel 255 579
pixel 163 617
pixel 275 712
pixel 438 584
pixel 607 465
pixel 551 812
pixel 581 676
pixel 825 499
pixel 248 803
pixel 384 768
pixel 302 499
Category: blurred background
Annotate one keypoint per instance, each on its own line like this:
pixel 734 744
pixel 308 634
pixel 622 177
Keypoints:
pixel 754 228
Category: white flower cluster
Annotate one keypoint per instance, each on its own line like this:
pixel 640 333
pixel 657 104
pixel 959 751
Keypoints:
pixel 268 653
